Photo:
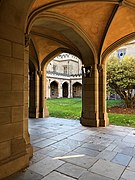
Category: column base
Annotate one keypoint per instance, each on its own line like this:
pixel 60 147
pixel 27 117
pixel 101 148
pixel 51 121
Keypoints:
pixel 13 165
pixel 29 150
pixel 104 120
pixel 32 112
pixel 89 122
pixel 46 112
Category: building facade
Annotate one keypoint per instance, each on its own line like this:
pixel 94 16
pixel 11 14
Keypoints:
pixel 127 49
pixel 64 77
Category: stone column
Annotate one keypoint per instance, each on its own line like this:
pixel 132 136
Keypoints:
pixel 44 82
pixel 103 116
pixel 89 115
pixel 69 90
pixel 49 95
pixel 43 111
pixel 13 112
pixel 60 90
pixel 26 95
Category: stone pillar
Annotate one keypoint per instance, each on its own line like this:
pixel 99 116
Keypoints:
pixel 13 145
pixel 48 88
pixel 89 115
pixel 60 90
pixel 26 95
pixel 103 116
pixel 43 111
pixel 69 90
pixel 44 82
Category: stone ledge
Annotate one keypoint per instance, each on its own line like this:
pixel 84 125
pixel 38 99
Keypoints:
pixel 13 166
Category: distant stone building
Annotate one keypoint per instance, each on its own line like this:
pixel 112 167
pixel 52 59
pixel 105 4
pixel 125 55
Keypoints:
pixel 64 77
pixel 125 50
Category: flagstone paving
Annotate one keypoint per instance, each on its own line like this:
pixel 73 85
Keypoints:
pixel 66 150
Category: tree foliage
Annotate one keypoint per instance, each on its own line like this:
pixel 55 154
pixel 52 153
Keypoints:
pixel 121 78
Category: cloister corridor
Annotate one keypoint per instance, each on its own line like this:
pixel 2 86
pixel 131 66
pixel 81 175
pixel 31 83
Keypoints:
pixel 32 33
pixel 65 150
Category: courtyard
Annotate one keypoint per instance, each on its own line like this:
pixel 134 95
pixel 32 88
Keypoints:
pixel 66 150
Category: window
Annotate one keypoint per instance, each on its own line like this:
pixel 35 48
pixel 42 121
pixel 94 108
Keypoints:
pixel 54 68
pixel 65 69
pixel 121 53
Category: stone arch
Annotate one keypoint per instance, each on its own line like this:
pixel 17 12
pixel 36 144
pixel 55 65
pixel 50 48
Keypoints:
pixel 54 89
pixel 77 89
pixel 116 45
pixel 85 49
pixel 53 54
pixel 65 87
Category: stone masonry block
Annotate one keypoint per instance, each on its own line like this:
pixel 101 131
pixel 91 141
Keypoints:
pixel 17 98
pixel 5 47
pixel 14 130
pixel 18 51
pixel 11 33
pixel 17 66
pixel 5 64
pixel 5 150
pixel 5 82
pixel 5 98
pixel 17 114
pixel 17 82
pixel 18 145
pixel 5 115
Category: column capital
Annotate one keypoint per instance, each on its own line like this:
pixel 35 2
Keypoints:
pixel 27 39
pixel 87 71
pixel 100 67
pixel 40 73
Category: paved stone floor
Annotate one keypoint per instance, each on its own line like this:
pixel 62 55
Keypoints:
pixel 65 150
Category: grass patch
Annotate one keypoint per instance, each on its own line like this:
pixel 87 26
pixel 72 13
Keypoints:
pixel 71 109
pixel 112 103
pixel 122 119
pixel 65 108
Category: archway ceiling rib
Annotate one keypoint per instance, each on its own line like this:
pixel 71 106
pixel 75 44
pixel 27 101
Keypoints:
pixel 53 35
pixel 44 46
pixel 122 25
pixel 57 30
pixel 93 17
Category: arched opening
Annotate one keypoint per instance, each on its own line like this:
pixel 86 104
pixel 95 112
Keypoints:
pixel 65 90
pixel 54 89
pixel 121 76
pixel 77 90
pixel 74 33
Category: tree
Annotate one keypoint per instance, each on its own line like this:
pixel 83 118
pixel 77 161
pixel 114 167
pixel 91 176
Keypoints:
pixel 121 78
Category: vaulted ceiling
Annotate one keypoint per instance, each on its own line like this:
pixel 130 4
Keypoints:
pixel 89 29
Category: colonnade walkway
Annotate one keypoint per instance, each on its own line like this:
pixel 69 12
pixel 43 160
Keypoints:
pixel 66 150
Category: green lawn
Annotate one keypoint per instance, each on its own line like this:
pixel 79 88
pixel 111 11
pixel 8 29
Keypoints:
pixel 112 103
pixel 65 108
pixel 122 119
pixel 71 109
